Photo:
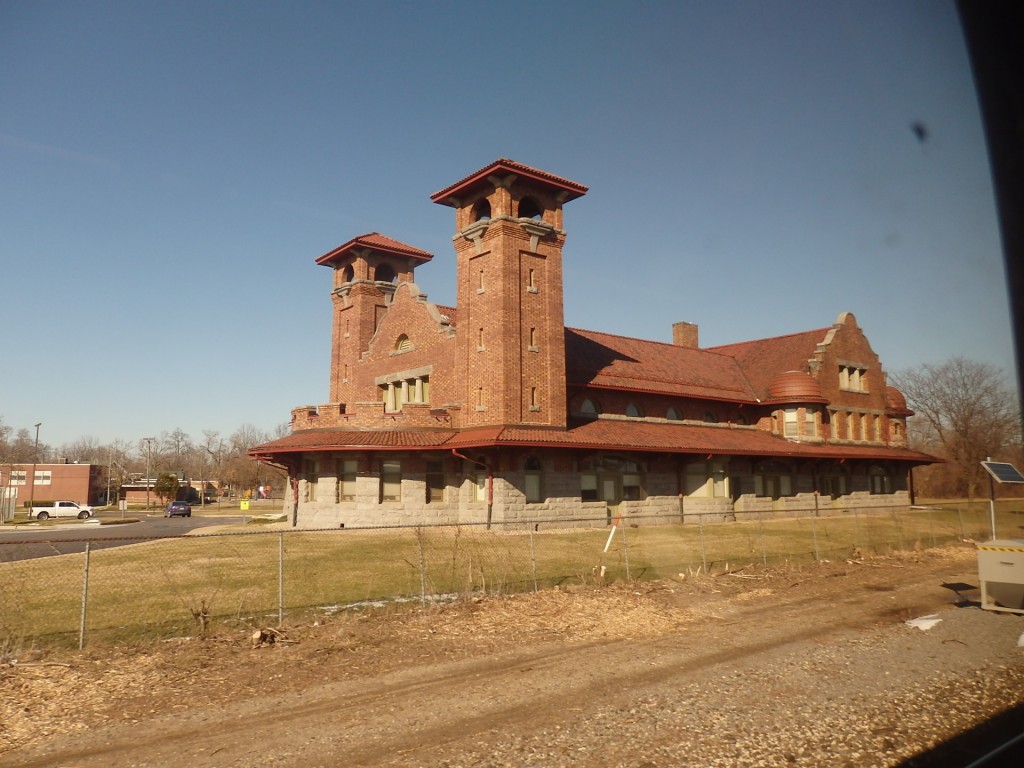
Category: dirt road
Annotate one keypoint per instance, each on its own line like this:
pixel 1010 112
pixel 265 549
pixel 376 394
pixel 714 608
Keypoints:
pixel 801 667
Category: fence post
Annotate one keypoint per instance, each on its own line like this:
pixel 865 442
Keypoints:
pixel 703 552
pixel 764 549
pixel 899 528
pixel 423 565
pixel 533 559
pixel 85 599
pixel 814 537
pixel 625 550
pixel 931 527
pixel 280 578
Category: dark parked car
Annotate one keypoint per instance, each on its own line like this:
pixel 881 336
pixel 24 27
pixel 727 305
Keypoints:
pixel 178 509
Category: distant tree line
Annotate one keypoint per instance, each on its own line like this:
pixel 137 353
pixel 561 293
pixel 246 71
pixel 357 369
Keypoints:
pixel 213 458
pixel 964 412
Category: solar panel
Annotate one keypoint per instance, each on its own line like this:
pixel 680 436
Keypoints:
pixel 1003 473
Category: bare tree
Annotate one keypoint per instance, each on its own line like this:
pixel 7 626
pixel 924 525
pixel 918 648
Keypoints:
pixel 967 411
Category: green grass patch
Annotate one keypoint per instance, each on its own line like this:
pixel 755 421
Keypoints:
pixel 197 584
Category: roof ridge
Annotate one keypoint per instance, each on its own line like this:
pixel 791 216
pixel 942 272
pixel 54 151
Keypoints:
pixel 669 344
pixel 771 338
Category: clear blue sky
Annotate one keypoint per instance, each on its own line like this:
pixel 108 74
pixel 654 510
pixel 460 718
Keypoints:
pixel 169 172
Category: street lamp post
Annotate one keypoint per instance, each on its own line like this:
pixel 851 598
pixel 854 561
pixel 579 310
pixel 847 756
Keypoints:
pixel 149 460
pixel 35 460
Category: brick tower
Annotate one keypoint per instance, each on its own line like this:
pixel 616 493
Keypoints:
pixel 510 349
pixel 367 269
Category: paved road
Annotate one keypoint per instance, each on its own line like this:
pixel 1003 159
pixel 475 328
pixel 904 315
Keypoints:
pixel 25 542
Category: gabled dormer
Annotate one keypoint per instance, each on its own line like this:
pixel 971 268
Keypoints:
pixel 367 269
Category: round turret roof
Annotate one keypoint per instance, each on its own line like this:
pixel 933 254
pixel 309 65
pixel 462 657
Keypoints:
pixel 896 403
pixel 795 387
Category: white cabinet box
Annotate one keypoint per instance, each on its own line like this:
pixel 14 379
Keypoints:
pixel 1001 572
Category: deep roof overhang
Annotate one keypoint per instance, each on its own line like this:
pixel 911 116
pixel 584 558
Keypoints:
pixel 453 194
pixel 377 242
pixel 598 434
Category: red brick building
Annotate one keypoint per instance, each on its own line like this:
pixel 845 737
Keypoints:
pixel 494 411
pixel 51 482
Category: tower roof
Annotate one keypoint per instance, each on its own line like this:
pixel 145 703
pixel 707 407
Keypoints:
pixel 503 166
pixel 376 242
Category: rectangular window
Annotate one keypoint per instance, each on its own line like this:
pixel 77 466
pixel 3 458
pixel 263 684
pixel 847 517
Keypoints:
pixel 810 423
pixel 789 422
pixel 390 481
pixel 312 477
pixel 532 489
pixel 347 473
pixel 480 487
pixel 43 476
pixel 435 481
pixel 837 486
pixel 588 487
pixel 632 487
pixel 19 477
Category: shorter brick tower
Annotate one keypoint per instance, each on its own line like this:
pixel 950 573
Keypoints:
pixel 510 350
pixel 367 270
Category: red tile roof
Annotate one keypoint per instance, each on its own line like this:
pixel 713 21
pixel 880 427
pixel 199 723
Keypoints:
pixel 378 242
pixel 504 165
pixel 618 362
pixel 763 359
pixel 603 434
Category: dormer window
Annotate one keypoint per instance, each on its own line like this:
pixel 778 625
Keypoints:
pixel 634 411
pixel 589 407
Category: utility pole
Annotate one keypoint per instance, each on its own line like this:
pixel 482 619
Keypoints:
pixel 35 460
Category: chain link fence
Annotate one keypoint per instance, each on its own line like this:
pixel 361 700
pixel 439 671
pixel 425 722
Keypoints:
pixel 124 591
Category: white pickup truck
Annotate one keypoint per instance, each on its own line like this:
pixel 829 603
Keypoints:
pixel 61 509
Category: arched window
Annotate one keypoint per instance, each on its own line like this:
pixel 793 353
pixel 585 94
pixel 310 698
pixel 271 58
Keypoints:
pixel 384 274
pixel 482 209
pixel 710 417
pixel 402 344
pixel 530 209
pixel 673 415
pixel 348 274
pixel 634 410
pixel 589 407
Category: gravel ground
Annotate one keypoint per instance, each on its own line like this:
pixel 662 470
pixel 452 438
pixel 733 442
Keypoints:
pixel 790 667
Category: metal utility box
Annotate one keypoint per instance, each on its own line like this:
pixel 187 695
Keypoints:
pixel 1001 572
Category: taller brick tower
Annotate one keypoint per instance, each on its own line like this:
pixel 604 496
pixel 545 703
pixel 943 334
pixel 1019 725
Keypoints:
pixel 510 348
pixel 367 269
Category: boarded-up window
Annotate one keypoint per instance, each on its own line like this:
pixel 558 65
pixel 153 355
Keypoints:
pixel 435 481
pixel 347 471
pixel 390 481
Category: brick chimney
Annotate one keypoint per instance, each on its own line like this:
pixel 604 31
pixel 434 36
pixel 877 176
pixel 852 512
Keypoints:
pixel 685 335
